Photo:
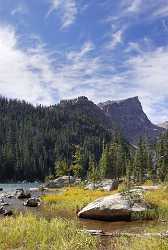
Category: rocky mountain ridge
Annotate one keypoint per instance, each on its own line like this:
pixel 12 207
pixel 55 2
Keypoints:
pixel 126 115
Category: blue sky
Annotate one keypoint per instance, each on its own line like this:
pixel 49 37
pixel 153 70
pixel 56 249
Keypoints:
pixel 105 50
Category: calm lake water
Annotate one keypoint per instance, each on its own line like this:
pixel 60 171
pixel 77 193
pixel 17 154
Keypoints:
pixel 11 187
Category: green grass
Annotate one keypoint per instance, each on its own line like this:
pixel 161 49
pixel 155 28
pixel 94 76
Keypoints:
pixel 30 233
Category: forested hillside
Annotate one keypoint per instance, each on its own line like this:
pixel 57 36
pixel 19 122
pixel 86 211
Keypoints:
pixel 74 137
pixel 32 138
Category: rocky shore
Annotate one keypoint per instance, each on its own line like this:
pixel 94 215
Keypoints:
pixel 20 200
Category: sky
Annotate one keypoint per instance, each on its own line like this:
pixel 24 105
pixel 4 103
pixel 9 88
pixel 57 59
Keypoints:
pixel 103 49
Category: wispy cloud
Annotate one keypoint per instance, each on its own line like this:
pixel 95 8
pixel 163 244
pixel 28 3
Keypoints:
pixel 134 6
pixel 20 9
pixel 161 12
pixel 117 38
pixel 67 10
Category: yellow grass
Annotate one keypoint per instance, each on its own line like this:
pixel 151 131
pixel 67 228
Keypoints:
pixel 30 233
pixel 72 198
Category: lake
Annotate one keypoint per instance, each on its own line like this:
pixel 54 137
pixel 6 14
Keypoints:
pixel 11 187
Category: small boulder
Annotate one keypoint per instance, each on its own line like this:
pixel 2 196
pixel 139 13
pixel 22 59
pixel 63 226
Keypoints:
pixel 10 196
pixel 60 182
pixel 21 194
pixel 106 185
pixel 4 204
pixel 32 202
pixel 92 186
pixel 8 213
pixel 5 212
pixel 110 185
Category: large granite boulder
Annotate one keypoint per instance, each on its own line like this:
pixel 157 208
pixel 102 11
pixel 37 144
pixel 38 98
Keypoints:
pixel 115 207
pixel 60 182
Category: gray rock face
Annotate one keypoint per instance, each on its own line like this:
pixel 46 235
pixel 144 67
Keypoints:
pixel 129 116
pixel 115 207
pixel 60 182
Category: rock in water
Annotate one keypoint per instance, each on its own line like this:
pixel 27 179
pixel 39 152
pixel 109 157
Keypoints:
pixel 21 194
pixel 8 213
pixel 115 207
pixel 32 202
pixel 5 212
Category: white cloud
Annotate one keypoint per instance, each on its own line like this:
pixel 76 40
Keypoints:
pixel 67 10
pixel 22 73
pixel 148 76
pixel 36 75
pixel 87 47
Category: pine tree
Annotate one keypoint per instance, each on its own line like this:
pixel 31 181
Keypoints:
pixel 77 163
pixel 140 162
pixel 93 172
pixel 61 168
pixel 162 155
pixel 104 162
pixel 128 172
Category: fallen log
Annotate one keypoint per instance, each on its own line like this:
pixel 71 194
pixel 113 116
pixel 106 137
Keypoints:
pixel 120 234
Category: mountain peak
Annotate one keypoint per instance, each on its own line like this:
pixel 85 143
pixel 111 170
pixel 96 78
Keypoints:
pixel 129 116
pixel 134 99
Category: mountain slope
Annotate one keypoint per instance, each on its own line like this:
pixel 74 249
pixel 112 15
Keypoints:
pixel 129 116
